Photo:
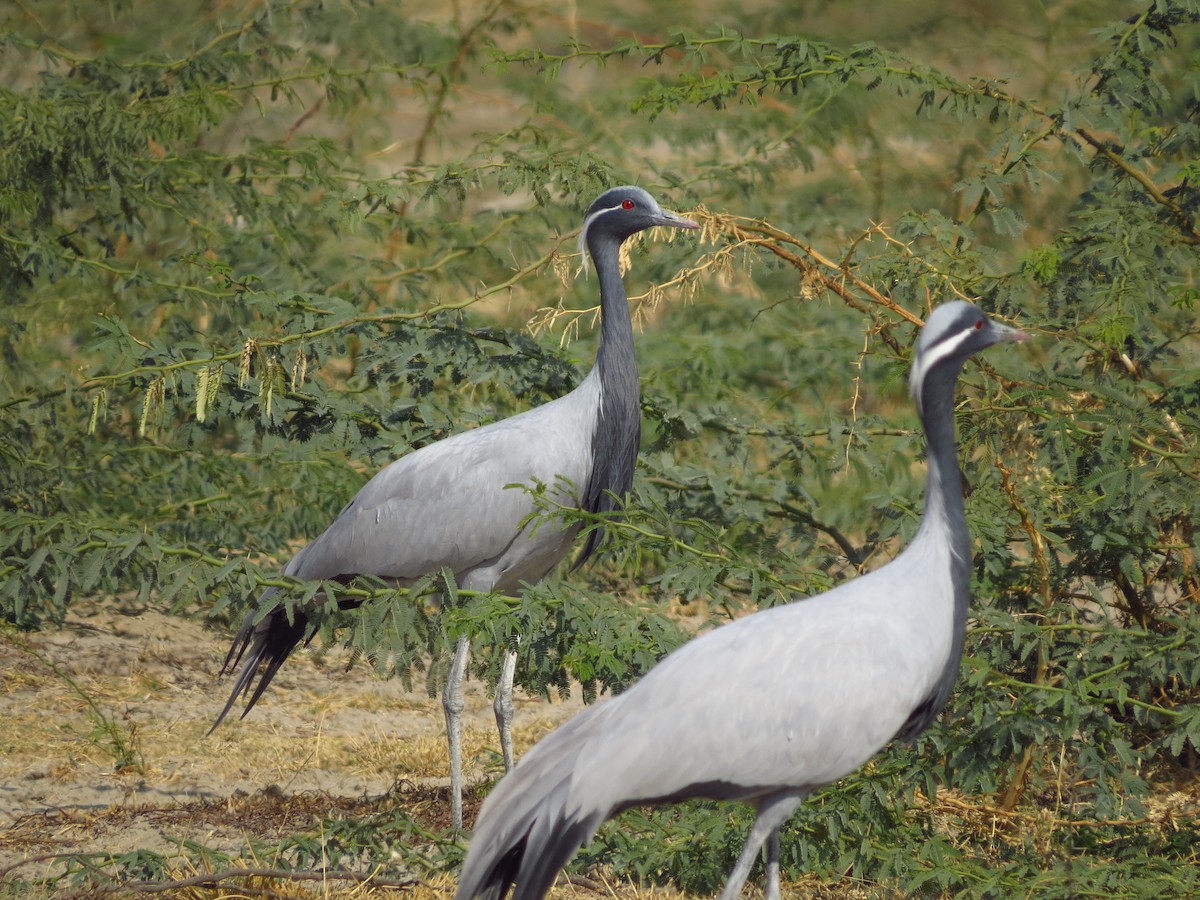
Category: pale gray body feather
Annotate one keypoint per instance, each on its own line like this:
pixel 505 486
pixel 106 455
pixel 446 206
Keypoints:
pixel 459 503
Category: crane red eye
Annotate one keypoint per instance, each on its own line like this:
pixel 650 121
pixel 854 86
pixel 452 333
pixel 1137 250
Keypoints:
pixel 627 204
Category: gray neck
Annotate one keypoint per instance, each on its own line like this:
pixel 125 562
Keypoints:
pixel 944 518
pixel 943 522
pixel 618 428
pixel 615 355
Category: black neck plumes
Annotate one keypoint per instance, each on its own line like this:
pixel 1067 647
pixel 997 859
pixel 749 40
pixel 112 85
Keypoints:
pixel 618 426
pixel 944 516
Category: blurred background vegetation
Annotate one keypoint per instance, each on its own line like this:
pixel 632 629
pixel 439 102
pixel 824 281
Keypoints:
pixel 249 252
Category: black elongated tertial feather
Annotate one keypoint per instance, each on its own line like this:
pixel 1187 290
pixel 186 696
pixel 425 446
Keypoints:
pixel 267 642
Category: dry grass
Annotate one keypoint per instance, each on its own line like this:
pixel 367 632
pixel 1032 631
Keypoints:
pixel 322 742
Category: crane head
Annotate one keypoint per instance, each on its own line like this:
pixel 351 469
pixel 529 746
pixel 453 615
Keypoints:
pixel 621 212
pixel 952 333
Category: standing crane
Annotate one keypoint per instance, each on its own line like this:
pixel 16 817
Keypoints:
pixel 771 707
pixel 459 504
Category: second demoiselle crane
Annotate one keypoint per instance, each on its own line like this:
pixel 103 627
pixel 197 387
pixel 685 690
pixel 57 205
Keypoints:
pixel 459 504
pixel 771 707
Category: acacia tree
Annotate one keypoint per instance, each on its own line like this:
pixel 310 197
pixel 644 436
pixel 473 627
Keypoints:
pixel 251 261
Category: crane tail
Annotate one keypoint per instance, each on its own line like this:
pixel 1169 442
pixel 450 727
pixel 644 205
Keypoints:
pixel 523 852
pixel 534 819
pixel 271 640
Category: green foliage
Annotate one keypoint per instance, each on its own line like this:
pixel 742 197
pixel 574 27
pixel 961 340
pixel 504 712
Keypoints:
pixel 344 843
pixel 247 261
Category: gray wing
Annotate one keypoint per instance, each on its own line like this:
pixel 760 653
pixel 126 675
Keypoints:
pixel 460 503
pixel 790 697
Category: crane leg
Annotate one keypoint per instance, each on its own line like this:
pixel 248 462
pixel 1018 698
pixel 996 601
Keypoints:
pixel 772 813
pixel 772 892
pixel 503 706
pixel 453 705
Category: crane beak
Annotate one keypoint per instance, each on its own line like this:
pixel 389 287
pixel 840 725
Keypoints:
pixel 668 219
pixel 1008 333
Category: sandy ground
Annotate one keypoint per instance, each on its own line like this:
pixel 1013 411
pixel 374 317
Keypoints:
pixel 322 740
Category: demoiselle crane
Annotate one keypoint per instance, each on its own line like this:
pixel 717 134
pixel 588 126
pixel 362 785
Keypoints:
pixel 458 504
pixel 771 707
